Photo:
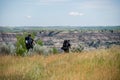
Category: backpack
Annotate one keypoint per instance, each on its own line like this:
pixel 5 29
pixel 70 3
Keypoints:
pixel 28 40
pixel 66 45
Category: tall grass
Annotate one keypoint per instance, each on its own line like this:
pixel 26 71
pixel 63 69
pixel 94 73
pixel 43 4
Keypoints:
pixel 102 64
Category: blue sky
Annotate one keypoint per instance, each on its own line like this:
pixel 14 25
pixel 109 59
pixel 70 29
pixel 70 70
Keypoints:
pixel 59 12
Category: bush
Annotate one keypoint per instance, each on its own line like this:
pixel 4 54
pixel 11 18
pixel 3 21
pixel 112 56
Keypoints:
pixel 55 51
pixel 42 50
pixel 4 48
pixel 20 45
pixel 37 49
pixel 40 42
pixel 12 48
pixel 7 48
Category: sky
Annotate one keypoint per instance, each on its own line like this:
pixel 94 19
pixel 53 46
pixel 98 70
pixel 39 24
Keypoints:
pixel 59 12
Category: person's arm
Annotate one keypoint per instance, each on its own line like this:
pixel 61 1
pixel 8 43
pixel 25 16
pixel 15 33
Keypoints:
pixel 33 42
pixel 69 45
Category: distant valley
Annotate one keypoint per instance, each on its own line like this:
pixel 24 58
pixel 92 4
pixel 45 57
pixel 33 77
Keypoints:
pixel 87 37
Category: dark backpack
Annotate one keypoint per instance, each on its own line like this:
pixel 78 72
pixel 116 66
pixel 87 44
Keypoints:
pixel 28 40
pixel 66 45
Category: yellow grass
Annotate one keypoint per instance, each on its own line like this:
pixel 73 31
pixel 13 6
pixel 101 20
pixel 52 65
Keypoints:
pixel 101 64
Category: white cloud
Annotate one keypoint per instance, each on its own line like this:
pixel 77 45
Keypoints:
pixel 28 17
pixel 76 14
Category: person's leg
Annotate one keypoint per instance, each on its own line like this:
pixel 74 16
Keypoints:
pixel 27 47
pixel 66 50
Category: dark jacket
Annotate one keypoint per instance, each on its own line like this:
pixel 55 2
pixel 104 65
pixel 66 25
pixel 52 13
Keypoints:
pixel 29 42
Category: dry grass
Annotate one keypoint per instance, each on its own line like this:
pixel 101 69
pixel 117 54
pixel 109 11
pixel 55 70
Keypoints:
pixel 93 65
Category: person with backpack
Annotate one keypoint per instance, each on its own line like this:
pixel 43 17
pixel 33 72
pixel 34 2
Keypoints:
pixel 66 46
pixel 29 42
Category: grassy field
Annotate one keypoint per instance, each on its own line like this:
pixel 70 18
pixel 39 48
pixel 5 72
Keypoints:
pixel 101 64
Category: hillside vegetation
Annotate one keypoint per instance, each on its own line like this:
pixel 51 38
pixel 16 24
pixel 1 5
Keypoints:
pixel 100 64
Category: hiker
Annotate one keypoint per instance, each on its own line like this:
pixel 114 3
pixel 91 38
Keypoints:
pixel 29 42
pixel 66 46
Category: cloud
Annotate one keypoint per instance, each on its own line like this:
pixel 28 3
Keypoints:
pixel 76 14
pixel 28 17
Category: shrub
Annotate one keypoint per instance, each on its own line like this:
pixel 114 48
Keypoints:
pixel 4 48
pixel 7 48
pixel 37 49
pixel 12 48
pixel 55 51
pixel 20 45
pixel 42 50
pixel 40 42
